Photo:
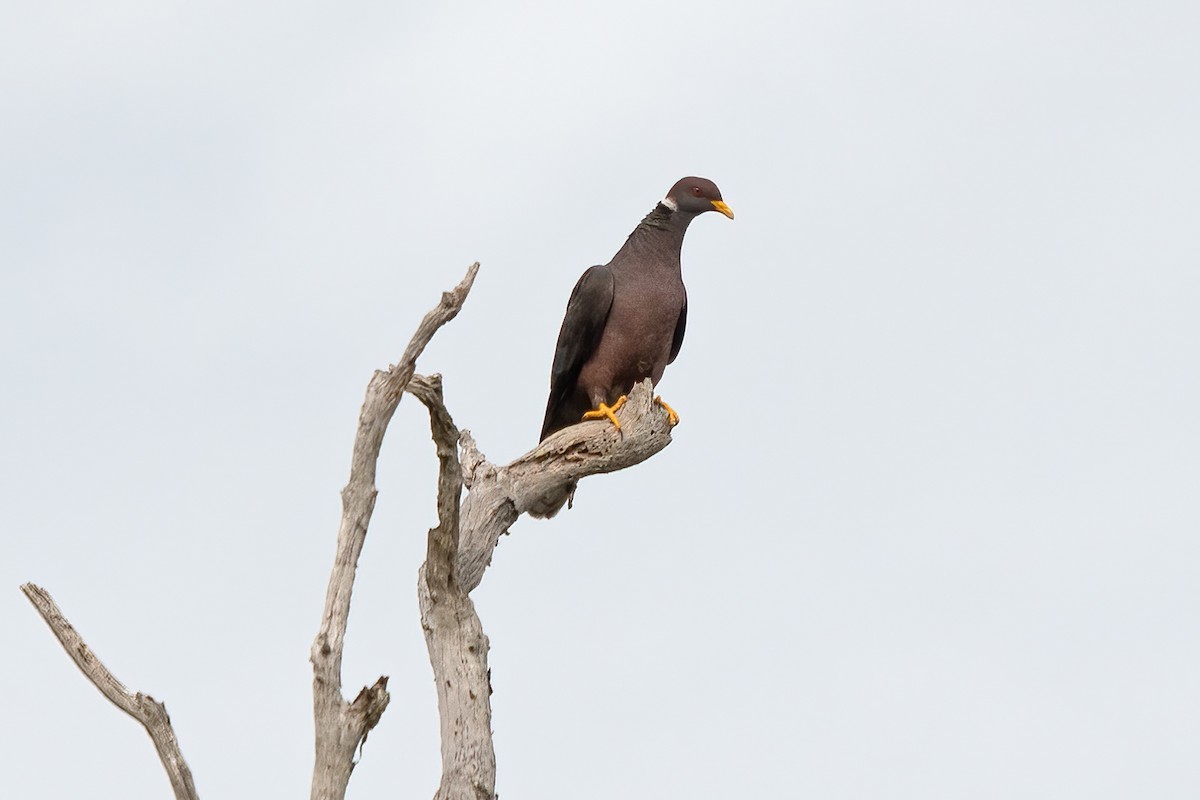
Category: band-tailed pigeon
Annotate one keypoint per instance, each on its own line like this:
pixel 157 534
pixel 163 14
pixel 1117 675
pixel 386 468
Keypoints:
pixel 625 319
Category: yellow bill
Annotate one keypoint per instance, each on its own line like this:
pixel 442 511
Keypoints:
pixel 720 205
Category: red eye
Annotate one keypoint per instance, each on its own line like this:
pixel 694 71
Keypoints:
pixel 696 191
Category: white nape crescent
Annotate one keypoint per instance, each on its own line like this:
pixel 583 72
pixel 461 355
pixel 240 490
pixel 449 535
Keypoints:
pixel 670 203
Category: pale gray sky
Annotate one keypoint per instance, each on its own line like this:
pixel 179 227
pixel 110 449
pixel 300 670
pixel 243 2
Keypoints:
pixel 929 528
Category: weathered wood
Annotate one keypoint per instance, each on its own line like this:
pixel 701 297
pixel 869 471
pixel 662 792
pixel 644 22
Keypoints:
pixel 454 635
pixel 458 552
pixel 459 549
pixel 145 709
pixel 341 726
pixel 542 479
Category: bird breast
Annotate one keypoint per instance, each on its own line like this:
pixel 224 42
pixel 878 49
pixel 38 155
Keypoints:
pixel 636 342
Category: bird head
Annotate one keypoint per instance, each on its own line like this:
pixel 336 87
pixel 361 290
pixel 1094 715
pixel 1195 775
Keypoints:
pixel 695 196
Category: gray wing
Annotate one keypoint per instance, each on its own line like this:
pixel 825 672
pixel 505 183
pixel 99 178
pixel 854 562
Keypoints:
pixel 582 326
pixel 677 339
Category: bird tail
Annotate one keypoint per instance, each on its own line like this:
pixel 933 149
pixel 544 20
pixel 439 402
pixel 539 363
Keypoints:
pixel 550 504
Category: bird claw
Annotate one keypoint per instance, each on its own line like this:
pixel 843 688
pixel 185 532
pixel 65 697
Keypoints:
pixel 608 412
pixel 672 417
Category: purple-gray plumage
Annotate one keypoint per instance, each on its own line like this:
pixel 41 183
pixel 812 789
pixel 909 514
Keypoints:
pixel 625 319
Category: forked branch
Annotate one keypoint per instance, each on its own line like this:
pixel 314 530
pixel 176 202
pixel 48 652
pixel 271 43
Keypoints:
pixel 460 547
pixel 459 550
pixel 457 646
pixel 544 478
pixel 340 726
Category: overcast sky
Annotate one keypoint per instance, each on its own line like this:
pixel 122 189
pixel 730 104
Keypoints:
pixel 929 527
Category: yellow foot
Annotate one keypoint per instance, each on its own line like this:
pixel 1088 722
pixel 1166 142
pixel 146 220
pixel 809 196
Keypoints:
pixel 672 417
pixel 608 412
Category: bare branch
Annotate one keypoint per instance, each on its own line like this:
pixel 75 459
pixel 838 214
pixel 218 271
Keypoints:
pixel 543 479
pixel 458 552
pixel 144 708
pixel 460 548
pixel 340 726
pixel 454 635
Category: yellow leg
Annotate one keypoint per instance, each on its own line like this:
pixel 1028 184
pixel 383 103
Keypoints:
pixel 608 412
pixel 672 417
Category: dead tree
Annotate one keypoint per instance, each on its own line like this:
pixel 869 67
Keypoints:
pixel 458 552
